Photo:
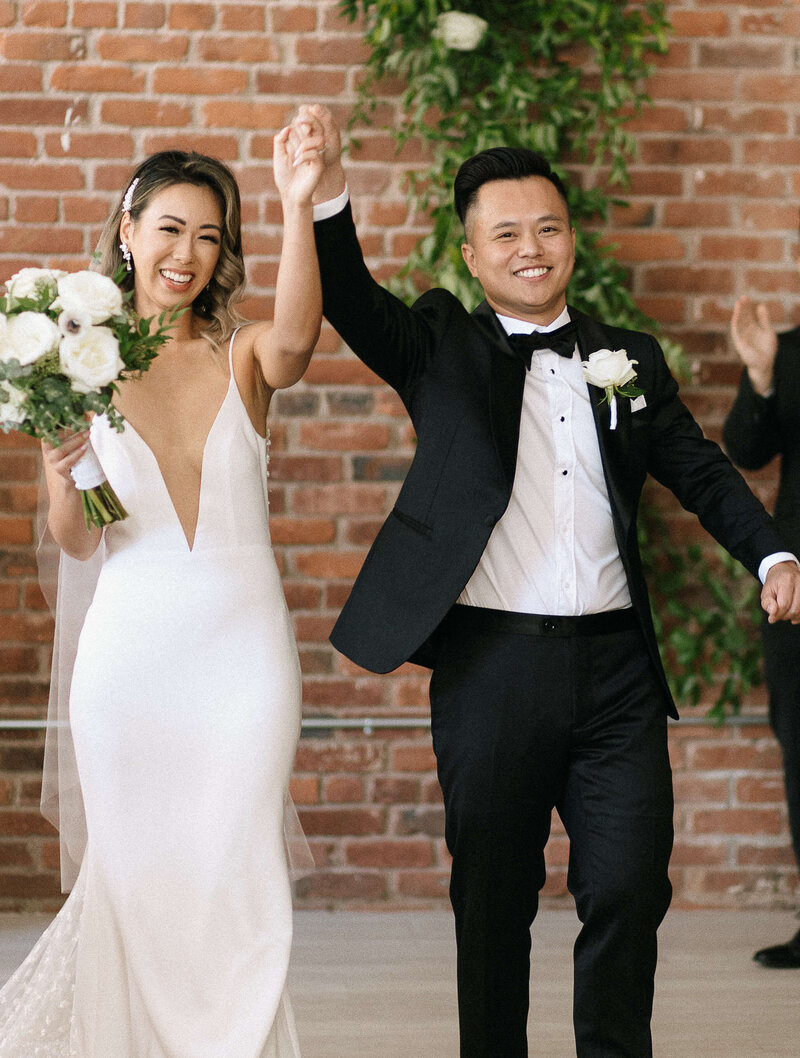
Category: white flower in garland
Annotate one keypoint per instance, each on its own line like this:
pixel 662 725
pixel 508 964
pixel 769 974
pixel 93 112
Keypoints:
pixel 459 30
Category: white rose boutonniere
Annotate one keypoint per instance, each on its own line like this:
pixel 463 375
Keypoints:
pixel 611 370
pixel 459 30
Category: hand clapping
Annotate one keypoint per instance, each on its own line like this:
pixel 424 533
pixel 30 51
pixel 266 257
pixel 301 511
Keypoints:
pixel 755 342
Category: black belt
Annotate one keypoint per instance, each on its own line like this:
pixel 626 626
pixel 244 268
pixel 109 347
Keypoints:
pixel 476 618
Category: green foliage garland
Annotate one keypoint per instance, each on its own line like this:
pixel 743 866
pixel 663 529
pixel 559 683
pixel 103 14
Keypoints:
pixel 563 77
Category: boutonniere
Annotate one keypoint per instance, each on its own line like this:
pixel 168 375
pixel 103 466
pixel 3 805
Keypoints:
pixel 611 370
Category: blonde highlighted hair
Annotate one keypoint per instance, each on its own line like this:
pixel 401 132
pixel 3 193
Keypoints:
pixel 217 303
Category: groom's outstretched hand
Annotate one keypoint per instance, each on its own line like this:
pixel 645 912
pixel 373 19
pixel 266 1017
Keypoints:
pixel 332 182
pixel 780 596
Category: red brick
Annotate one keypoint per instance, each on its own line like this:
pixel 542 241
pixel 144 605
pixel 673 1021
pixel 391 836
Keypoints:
pixel 342 566
pixel 737 821
pixel 107 77
pixel 19 144
pixel 646 246
pixel 343 789
pixel 739 247
pixel 350 756
pixel 697 214
pixel 412 757
pixel 305 468
pixel 255 48
pixel 331 51
pixel 225 148
pixel 426 885
pixel 335 821
pixel 699 23
pixel 304 789
pixel 385 852
pixel 144 15
pixel 199 80
pixel 52 13
pixel 297 19
pixel 342 886
pixel 20 77
pixel 95 14
pixel 248 114
pixel 243 17
pixel 741 54
pixel 191 16
pixel 40 47
pixel 145 47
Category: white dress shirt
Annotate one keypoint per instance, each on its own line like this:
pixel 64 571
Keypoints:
pixel 554 550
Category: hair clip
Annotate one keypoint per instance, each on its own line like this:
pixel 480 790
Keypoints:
pixel 127 201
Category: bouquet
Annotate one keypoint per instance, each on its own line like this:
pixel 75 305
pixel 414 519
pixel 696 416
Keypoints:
pixel 65 340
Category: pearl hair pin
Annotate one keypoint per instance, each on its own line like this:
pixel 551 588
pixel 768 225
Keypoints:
pixel 127 201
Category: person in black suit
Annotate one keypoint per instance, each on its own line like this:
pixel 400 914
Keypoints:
pixel 509 564
pixel 765 422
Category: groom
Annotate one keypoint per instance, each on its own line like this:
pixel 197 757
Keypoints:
pixel 510 566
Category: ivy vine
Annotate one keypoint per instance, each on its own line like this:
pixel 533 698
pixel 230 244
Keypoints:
pixel 563 77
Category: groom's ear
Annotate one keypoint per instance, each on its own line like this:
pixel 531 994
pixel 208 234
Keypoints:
pixel 469 259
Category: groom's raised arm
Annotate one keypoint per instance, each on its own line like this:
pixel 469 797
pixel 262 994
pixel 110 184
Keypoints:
pixel 392 339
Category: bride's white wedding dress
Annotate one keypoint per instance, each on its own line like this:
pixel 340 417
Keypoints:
pixel 185 709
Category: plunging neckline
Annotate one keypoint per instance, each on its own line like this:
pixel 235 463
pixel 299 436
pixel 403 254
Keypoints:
pixel 190 544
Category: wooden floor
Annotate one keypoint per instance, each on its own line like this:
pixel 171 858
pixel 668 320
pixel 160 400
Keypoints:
pixel 381 985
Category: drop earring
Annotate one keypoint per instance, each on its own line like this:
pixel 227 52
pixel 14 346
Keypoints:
pixel 126 256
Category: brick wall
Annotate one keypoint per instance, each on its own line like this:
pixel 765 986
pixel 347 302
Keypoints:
pixel 87 87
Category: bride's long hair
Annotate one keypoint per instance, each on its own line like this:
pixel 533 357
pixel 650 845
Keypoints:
pixel 217 302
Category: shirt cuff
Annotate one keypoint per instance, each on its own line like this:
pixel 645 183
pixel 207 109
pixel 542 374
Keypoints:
pixel 323 210
pixel 772 560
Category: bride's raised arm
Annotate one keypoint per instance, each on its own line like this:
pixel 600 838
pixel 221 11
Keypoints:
pixel 283 348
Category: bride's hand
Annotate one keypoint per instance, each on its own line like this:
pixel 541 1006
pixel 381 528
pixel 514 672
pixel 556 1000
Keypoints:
pixel 61 460
pixel 297 159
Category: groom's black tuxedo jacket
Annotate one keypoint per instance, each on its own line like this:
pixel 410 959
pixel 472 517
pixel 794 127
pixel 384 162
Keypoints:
pixel 462 387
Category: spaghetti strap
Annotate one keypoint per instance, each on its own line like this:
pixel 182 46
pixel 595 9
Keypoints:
pixel 230 349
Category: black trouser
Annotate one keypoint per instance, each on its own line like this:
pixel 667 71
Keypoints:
pixel 521 724
pixel 782 672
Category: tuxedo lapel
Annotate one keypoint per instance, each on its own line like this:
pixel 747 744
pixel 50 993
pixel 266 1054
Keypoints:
pixel 614 444
pixel 506 386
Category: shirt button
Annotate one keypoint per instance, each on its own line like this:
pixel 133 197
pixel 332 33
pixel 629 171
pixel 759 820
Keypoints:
pixel 564 473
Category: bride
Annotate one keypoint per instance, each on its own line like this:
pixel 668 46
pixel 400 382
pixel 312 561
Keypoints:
pixel 184 706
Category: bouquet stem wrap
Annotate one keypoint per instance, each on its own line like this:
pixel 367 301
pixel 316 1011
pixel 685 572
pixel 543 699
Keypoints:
pixel 101 505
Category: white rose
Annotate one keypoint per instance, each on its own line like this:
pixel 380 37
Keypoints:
pixel 609 367
pixel 89 294
pixel 33 282
pixel 11 412
pixel 460 31
pixel 91 359
pixel 28 336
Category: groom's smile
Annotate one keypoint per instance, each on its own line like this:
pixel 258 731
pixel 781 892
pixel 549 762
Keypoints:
pixel 521 247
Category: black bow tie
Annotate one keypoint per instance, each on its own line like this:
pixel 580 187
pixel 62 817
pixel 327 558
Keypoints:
pixel 561 341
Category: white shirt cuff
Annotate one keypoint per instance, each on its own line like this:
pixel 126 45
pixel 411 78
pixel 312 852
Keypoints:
pixel 323 210
pixel 772 560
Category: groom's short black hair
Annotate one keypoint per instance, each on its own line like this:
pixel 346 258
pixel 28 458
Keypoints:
pixel 501 163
